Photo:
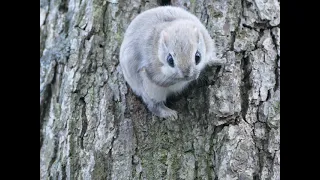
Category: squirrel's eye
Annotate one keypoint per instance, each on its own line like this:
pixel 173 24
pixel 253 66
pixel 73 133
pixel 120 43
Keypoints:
pixel 197 57
pixel 170 60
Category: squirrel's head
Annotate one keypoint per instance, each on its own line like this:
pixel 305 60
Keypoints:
pixel 182 51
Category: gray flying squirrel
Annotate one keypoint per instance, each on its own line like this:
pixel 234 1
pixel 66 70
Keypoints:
pixel 163 50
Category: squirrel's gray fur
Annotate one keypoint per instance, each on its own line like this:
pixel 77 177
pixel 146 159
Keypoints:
pixel 149 39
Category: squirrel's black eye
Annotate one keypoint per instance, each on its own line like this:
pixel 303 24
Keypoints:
pixel 170 60
pixel 197 57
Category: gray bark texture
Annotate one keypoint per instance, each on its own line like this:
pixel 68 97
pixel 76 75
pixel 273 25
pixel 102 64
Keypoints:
pixel 93 127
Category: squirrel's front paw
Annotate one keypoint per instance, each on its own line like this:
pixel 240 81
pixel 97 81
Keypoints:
pixel 169 113
pixel 163 111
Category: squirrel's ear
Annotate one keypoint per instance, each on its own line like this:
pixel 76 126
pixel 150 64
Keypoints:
pixel 164 38
pixel 195 29
pixel 198 35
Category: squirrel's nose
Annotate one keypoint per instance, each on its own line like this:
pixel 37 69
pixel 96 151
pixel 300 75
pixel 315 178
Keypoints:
pixel 186 72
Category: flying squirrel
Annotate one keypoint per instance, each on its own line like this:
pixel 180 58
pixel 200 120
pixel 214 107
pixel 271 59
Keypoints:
pixel 163 50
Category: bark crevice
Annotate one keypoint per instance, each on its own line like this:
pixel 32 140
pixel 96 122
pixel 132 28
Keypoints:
pixel 84 121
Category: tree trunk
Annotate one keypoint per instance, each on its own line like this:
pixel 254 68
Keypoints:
pixel 93 127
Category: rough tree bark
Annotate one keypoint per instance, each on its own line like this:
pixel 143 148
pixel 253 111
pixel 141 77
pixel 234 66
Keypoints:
pixel 93 127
